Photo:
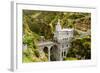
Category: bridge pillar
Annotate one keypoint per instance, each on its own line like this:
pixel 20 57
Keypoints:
pixel 49 53
pixel 60 47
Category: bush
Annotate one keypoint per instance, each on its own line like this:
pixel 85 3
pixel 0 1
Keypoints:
pixel 70 58
pixel 26 59
pixel 30 41
pixel 80 47
pixel 37 53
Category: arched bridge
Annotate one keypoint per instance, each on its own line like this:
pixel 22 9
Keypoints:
pixel 50 48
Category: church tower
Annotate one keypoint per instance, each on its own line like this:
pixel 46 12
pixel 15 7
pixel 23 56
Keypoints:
pixel 58 26
pixel 62 38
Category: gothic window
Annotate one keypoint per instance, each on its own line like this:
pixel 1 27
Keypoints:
pixel 64 53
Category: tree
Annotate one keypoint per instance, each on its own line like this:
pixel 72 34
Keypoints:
pixel 80 48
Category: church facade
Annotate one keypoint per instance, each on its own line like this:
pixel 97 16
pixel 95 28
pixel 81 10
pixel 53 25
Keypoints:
pixel 63 38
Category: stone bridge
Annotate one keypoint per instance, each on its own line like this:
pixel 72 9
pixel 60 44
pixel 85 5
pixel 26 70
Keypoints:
pixel 50 48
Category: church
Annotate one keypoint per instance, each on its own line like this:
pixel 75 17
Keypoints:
pixel 63 38
pixel 58 48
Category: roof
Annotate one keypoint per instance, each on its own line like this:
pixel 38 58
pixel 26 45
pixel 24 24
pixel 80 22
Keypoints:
pixel 67 29
pixel 45 43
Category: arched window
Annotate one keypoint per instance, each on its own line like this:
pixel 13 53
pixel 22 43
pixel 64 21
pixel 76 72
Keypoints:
pixel 64 53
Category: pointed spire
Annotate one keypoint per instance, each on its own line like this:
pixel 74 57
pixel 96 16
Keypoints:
pixel 58 26
pixel 58 23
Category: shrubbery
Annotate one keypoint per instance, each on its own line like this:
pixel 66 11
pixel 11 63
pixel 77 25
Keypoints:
pixel 70 58
pixel 80 48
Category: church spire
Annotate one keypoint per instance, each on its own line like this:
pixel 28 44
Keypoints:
pixel 58 22
pixel 58 26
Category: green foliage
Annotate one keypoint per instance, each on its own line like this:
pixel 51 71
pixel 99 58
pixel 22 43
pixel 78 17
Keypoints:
pixel 31 40
pixel 76 15
pixel 80 48
pixel 27 39
pixel 27 55
pixel 37 53
pixel 43 22
pixel 26 59
pixel 70 58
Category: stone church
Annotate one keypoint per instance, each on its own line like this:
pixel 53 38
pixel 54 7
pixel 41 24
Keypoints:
pixel 58 48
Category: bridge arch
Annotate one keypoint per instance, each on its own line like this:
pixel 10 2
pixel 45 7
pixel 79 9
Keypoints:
pixel 50 49
pixel 54 53
pixel 45 49
pixel 51 52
